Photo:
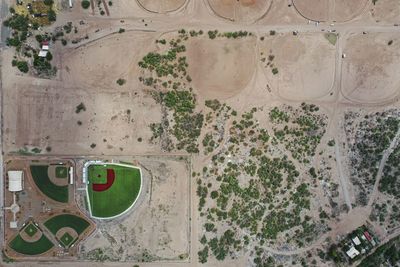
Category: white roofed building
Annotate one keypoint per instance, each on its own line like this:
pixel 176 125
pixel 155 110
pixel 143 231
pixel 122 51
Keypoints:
pixel 352 252
pixel 356 241
pixel 15 181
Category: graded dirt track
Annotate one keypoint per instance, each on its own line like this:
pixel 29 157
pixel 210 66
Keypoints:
pixel 373 78
pixel 161 6
pixel 306 65
pixel 329 10
pixel 221 68
pixel 240 10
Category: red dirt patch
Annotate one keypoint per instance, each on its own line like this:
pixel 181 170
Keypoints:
pixel 110 181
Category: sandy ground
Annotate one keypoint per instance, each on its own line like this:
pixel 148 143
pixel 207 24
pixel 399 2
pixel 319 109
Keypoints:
pixel 372 78
pixel 385 11
pixel 306 65
pixel 41 113
pixel 162 6
pixel 221 68
pixel 330 10
pixel 240 10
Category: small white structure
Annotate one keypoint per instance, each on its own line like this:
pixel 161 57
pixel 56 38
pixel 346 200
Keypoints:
pixel 352 252
pixel 45 47
pixel 43 53
pixel 356 241
pixel 71 175
pixel 15 181
pixel 13 225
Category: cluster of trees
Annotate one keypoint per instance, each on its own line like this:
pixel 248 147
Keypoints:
pixel 300 130
pixel 251 207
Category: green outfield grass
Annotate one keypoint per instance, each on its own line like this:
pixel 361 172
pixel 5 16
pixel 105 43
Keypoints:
pixel 120 196
pixel 30 230
pixel 41 178
pixel 97 175
pixel 31 248
pixel 61 172
pixel 66 220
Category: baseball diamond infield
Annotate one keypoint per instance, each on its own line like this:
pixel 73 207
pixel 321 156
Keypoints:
pixel 112 189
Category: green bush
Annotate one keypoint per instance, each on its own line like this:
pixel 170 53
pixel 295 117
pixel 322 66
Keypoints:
pixel 22 66
pixel 121 81
pixel 85 4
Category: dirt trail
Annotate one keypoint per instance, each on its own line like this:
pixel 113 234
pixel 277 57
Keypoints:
pixel 343 179
pixel 382 164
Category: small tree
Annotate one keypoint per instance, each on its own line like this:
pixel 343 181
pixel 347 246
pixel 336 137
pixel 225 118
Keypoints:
pixel 121 81
pixel 23 66
pixel 85 4
pixel 49 56
pixel 51 15
pixel 48 2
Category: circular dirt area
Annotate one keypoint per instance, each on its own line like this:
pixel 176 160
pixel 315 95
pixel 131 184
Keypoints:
pixel 161 6
pixel 240 10
pixel 221 68
pixel 370 69
pixel 330 10
pixel 305 63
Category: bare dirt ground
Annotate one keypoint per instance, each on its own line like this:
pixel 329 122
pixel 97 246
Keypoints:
pixel 240 10
pixel 162 6
pixel 385 11
pixel 42 113
pixel 306 64
pixel 330 10
pixel 221 68
pixel 372 78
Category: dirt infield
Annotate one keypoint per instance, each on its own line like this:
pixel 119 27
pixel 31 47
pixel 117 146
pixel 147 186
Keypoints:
pixel 68 230
pixel 329 10
pixel 373 78
pixel 54 179
pixel 221 68
pixel 240 10
pixel 161 6
pixel 31 239
pixel 306 65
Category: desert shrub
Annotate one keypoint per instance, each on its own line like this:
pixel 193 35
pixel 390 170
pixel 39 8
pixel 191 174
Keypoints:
pixel 121 81
pixel 85 4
